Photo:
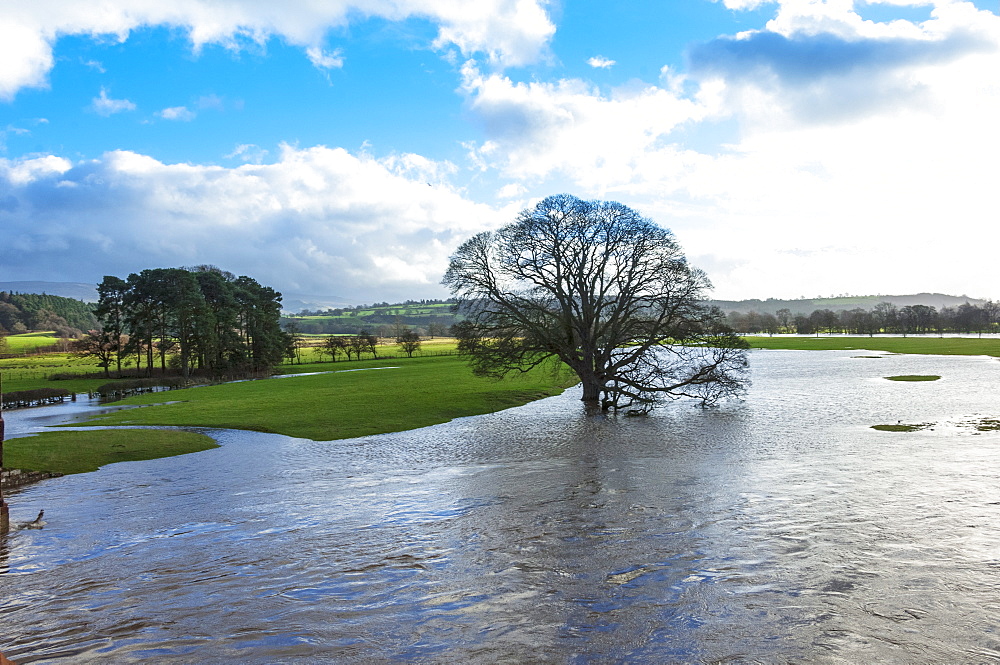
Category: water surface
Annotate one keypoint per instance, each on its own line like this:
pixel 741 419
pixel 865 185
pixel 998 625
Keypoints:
pixel 779 529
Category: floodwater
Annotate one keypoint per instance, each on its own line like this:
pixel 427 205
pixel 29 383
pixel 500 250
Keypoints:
pixel 776 530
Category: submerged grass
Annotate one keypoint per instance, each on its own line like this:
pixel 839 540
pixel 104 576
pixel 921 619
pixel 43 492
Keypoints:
pixel 901 427
pixel 79 452
pixel 948 346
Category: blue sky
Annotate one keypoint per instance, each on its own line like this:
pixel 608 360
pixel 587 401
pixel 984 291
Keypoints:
pixel 795 148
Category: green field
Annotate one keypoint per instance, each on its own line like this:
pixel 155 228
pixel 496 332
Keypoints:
pixel 415 393
pixel 28 342
pixel 946 346
pixel 79 452
pixel 30 371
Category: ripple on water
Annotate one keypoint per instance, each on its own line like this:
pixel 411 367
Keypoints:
pixel 781 529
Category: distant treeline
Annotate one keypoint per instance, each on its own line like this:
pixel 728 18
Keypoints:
pixel 884 318
pixel 21 312
pixel 198 318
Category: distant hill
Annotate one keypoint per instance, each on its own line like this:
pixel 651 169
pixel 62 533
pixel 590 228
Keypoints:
pixel 290 302
pixel 293 303
pixel 808 305
pixel 75 290
pixel 21 312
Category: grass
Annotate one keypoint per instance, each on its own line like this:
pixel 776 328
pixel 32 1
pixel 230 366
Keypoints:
pixel 27 342
pixel 417 393
pixel 80 452
pixel 902 427
pixel 32 372
pixel 946 346
pixel 914 377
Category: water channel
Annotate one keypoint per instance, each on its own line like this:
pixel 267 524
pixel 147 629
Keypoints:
pixel 779 529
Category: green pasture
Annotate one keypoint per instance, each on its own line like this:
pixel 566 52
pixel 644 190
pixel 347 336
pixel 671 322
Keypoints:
pixel 79 452
pixel 414 393
pixel 28 373
pixel 945 346
pixel 28 342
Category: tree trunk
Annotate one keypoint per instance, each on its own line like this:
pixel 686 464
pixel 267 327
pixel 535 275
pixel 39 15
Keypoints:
pixel 591 392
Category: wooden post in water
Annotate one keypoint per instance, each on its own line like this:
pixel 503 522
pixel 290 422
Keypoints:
pixel 4 513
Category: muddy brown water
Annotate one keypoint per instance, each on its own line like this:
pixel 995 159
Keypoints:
pixel 776 530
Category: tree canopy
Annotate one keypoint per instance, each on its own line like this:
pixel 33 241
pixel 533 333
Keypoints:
pixel 203 317
pixel 604 290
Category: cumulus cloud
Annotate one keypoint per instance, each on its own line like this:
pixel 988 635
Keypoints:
pixel 508 32
pixel 181 113
pixel 570 127
pixel 318 220
pixel 600 62
pixel 823 62
pixel 846 146
pixel 106 106
pixel 26 54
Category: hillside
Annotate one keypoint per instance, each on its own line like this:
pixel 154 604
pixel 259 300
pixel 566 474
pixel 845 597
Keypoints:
pixel 21 312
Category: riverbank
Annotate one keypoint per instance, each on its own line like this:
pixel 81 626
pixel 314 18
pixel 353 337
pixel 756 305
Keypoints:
pixel 340 403
pixel 67 452
pixel 346 402
pixel 12 478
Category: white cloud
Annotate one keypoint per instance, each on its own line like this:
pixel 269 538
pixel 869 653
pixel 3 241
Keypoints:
pixel 318 220
pixel 508 32
pixel 325 60
pixel 600 62
pixel 512 190
pixel 836 165
pixel 248 153
pixel 181 113
pixel 95 65
pixel 571 128
pixel 26 57
pixel 744 4
pixel 106 106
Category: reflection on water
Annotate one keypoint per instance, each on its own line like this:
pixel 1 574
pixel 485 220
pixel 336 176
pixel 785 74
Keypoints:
pixel 776 530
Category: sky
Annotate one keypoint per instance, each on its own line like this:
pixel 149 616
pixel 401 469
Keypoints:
pixel 796 148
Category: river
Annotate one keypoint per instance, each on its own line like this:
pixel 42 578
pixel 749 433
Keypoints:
pixel 778 529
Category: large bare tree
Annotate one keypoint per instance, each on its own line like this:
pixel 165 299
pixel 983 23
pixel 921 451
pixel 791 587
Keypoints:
pixel 604 290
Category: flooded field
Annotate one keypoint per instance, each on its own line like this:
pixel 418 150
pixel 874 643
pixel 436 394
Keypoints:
pixel 775 530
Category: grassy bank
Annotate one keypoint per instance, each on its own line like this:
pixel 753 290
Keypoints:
pixel 415 393
pixel 946 346
pixel 79 452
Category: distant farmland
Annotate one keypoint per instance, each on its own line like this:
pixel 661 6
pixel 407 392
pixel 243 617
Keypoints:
pixel 428 318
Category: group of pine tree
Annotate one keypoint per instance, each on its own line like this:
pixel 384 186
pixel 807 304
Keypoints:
pixel 190 319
